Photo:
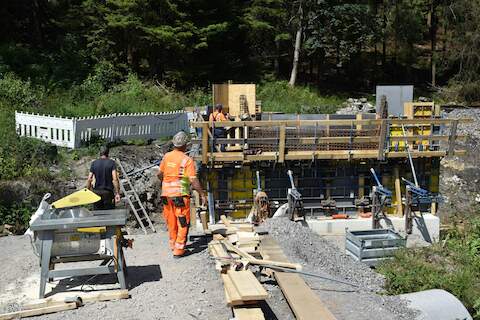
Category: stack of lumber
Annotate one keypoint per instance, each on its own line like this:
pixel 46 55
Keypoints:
pixel 231 247
pixel 241 287
pixel 245 240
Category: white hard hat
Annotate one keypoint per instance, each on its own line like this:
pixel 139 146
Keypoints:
pixel 180 139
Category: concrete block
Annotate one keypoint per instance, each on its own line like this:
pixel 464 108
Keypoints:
pixel 430 227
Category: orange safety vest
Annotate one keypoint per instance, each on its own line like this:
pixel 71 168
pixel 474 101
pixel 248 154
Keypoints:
pixel 177 169
pixel 217 116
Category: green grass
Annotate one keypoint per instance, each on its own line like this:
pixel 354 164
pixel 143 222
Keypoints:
pixel 452 265
pixel 279 96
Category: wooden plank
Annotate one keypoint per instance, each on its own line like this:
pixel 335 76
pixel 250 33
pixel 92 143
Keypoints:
pixel 333 155
pixel 204 142
pixel 38 311
pixel 331 123
pixel 281 145
pixel 231 293
pixel 383 139
pixel 253 260
pixel 245 236
pixel 225 221
pixel 304 303
pixel 93 296
pixel 248 314
pixel 322 140
pixel 247 285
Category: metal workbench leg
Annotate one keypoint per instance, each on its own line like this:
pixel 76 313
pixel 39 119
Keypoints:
pixel 120 271
pixel 47 240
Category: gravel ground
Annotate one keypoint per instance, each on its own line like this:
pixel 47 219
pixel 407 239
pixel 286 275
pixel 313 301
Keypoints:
pixel 161 287
pixel 322 257
pixel 460 176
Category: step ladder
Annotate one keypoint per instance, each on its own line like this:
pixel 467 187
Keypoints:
pixel 126 187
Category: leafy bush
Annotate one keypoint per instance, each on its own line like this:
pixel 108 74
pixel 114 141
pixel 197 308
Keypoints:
pixel 461 92
pixel 280 96
pixel 18 93
pixel 453 266
pixel 17 216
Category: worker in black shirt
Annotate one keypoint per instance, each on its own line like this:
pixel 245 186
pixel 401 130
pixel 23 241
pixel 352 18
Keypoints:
pixel 107 186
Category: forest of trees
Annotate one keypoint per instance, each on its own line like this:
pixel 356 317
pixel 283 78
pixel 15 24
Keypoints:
pixel 334 44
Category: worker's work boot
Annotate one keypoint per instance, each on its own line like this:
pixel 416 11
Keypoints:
pixel 179 250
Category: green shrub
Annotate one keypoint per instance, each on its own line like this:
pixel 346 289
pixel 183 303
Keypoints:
pixel 280 96
pixel 19 94
pixel 17 216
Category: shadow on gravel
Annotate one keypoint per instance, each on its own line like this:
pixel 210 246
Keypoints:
pixel 137 275
pixel 197 244
pixel 267 311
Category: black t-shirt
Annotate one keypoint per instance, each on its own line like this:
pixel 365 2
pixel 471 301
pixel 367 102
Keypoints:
pixel 102 169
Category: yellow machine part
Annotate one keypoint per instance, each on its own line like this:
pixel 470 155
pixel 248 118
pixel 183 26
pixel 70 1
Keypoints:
pixel 93 230
pixel 78 198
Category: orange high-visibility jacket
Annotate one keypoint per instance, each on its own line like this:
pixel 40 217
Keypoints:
pixel 217 116
pixel 177 169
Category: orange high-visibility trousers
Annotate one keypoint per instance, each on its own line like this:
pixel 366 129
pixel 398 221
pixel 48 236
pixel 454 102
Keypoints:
pixel 177 234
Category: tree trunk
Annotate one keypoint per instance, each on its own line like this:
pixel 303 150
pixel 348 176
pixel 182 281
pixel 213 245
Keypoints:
pixel 433 37
pixel 296 52
pixel 276 60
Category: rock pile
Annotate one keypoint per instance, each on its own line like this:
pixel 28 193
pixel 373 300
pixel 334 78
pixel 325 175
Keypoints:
pixel 354 106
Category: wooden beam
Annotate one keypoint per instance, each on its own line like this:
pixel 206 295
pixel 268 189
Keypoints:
pixel 281 145
pixel 319 140
pixel 205 142
pixel 252 260
pixel 38 311
pixel 383 140
pixel 331 123
pixel 92 296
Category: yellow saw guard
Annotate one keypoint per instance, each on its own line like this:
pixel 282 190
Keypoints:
pixel 78 198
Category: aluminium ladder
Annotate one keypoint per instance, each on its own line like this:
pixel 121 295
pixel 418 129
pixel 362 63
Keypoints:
pixel 133 200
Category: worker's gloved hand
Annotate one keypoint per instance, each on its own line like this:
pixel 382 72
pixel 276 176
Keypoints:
pixel 117 198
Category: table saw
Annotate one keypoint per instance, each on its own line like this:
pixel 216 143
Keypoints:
pixel 76 234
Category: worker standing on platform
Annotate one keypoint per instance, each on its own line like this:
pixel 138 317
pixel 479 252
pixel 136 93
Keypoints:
pixel 177 172
pixel 217 116
pixel 107 186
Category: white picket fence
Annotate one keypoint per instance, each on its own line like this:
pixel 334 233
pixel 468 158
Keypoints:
pixel 72 132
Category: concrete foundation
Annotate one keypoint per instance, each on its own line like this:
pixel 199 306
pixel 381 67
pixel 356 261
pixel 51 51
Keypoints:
pixel 427 229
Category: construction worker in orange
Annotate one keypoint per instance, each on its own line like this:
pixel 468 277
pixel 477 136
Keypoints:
pixel 217 116
pixel 178 174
